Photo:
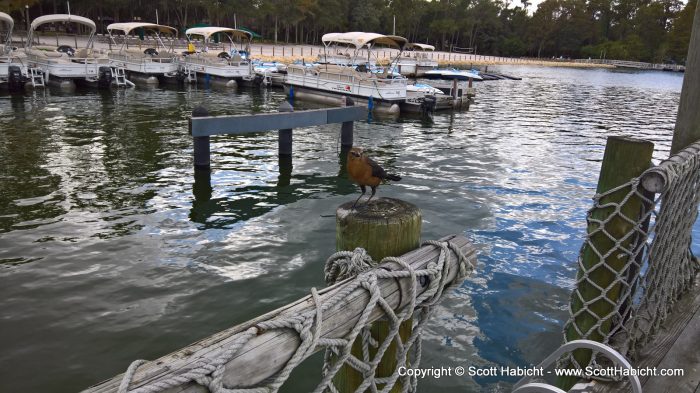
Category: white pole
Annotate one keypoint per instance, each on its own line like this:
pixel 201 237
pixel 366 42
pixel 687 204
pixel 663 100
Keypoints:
pixel 394 31
pixel 157 16
pixel 235 24
pixel 68 5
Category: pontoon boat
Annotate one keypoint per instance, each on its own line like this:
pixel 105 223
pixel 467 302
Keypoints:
pixel 62 64
pixel 453 73
pixel 150 62
pixel 415 61
pixel 13 69
pixel 227 65
pixel 330 82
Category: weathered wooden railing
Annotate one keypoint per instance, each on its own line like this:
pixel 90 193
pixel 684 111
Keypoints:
pixel 202 126
pixel 269 349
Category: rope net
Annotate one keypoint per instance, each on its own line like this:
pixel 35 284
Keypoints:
pixel 636 260
pixel 361 272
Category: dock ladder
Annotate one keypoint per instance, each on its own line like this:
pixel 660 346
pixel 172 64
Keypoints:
pixel 190 74
pixel 37 77
pixel 120 80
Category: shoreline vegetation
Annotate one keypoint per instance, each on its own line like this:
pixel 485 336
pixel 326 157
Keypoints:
pixel 653 31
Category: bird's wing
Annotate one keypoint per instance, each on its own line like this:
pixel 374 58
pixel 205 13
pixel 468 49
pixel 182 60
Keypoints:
pixel 377 171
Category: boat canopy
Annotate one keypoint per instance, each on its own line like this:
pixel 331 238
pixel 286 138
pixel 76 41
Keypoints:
pixel 128 27
pixel 207 32
pixel 360 39
pixel 8 39
pixel 7 19
pixel 42 20
pixel 417 46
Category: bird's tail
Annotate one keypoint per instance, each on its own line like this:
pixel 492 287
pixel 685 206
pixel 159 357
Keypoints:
pixel 393 177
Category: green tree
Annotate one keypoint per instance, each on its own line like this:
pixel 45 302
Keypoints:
pixel 679 36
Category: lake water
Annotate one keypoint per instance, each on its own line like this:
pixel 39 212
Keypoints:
pixel 110 252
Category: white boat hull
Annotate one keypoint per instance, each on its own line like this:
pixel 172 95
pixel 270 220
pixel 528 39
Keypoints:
pixel 154 67
pixel 390 90
pixel 80 69
pixel 333 99
pixel 222 70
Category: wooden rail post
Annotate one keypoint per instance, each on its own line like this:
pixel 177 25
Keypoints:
pixel 623 160
pixel 202 153
pixel 346 128
pixel 285 136
pixel 687 128
pixel 385 227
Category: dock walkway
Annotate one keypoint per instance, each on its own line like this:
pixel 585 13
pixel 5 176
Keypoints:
pixel 675 347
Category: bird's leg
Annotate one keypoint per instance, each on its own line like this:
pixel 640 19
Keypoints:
pixel 364 189
pixel 374 190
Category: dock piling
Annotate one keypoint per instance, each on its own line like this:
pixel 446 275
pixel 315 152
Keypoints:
pixel 687 128
pixel 385 227
pixel 285 135
pixel 609 223
pixel 346 128
pixel 200 143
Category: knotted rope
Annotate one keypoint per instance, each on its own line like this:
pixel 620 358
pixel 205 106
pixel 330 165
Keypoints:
pixel 658 264
pixel 209 370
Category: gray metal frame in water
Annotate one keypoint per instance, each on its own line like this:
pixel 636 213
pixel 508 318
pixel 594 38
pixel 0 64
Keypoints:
pixel 202 126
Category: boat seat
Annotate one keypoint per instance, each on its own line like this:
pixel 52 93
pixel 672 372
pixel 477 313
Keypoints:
pixel 83 53
pixel 46 53
pixel 138 53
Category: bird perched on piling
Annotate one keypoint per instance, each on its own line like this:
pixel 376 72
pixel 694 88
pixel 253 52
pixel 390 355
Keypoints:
pixel 365 172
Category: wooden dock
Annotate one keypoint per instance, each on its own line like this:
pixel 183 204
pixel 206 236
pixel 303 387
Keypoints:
pixel 675 347
pixel 638 65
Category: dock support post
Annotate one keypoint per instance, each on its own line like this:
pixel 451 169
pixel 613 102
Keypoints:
pixel 346 129
pixel 285 136
pixel 201 143
pixel 687 128
pixel 385 227
pixel 623 160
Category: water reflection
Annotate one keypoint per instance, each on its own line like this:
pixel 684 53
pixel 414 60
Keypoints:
pixel 110 243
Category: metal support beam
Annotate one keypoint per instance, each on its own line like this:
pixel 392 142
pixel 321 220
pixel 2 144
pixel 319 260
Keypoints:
pixel 237 125
pixel 284 140
pixel 346 129
pixel 201 143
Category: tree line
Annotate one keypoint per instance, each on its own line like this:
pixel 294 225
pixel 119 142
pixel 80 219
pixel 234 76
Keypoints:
pixel 641 30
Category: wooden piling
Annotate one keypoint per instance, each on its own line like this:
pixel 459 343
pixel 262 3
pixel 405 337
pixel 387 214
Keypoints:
pixel 202 155
pixel 285 136
pixel 346 128
pixel 623 160
pixel 384 227
pixel 687 128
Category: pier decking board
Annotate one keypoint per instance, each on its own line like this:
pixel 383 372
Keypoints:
pixel 675 346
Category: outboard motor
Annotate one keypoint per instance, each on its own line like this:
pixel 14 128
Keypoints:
pixel 104 78
pixel 428 105
pixel 15 80
pixel 67 49
pixel 151 51
pixel 258 80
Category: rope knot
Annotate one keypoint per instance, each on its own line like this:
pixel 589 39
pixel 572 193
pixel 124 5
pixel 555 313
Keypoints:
pixel 346 264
